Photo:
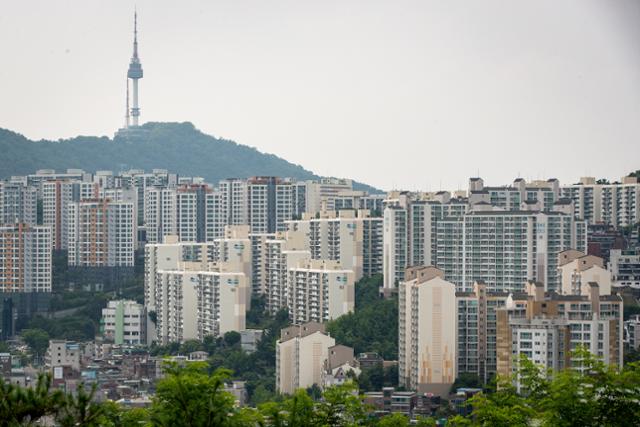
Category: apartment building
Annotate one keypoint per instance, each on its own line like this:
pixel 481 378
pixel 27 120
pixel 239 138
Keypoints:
pixel 319 291
pixel 547 327
pixel 259 262
pixel 301 354
pixel 191 212
pixel 632 332
pixel 56 197
pixel 352 238
pixel 160 213
pixel 624 266
pixel 281 254
pixel 505 249
pixel 18 203
pixel 577 271
pixel 25 258
pixel 191 303
pixel 597 201
pixel 124 322
pixel 427 331
pixel 477 329
pixel 271 202
pixel 321 195
pixel 232 251
pixel 101 233
pixel 542 193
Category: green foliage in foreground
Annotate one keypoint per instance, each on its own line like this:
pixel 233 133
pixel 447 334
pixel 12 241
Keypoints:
pixel 194 396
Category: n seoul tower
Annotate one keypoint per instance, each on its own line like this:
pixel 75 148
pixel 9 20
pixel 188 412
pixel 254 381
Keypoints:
pixel 134 73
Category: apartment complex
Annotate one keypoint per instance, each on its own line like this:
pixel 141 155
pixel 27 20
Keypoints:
pixel 427 331
pixel 25 258
pixel 191 303
pixel 352 238
pixel 547 327
pixel 124 322
pixel 480 241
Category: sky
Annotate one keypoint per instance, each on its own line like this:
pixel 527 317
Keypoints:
pixel 398 94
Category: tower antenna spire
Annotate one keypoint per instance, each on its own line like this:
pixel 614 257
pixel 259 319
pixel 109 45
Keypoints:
pixel 135 33
pixel 135 73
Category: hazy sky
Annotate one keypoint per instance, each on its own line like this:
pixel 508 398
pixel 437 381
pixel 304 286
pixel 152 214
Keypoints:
pixel 398 94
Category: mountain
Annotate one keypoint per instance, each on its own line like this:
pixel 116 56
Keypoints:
pixel 178 147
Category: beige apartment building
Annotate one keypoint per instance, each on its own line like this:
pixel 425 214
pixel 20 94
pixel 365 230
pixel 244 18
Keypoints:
pixel 578 270
pixel 427 331
pixel 301 354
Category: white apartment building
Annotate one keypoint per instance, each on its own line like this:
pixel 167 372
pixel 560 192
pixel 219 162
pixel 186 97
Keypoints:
pixel 512 197
pixel 160 213
pixel 427 331
pixel 615 204
pixel 25 258
pixel 625 268
pixel 18 203
pixel 234 201
pixel 271 201
pixel 124 322
pixel 259 262
pixel 232 250
pixel 395 246
pixel 349 237
pixel 101 233
pixel 411 232
pixel 319 291
pixel 192 303
pixel 301 354
pixel 280 255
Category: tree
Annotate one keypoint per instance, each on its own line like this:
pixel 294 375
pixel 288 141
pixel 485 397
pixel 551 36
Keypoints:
pixel 340 406
pixel 79 409
pixel 231 338
pixel 37 340
pixel 594 394
pixel 394 420
pixel 189 396
pixel 20 406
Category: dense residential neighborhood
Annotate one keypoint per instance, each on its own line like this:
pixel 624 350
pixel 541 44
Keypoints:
pixel 167 277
